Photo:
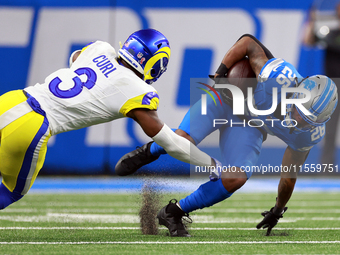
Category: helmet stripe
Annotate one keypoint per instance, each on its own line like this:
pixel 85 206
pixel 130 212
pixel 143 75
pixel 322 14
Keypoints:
pixel 160 54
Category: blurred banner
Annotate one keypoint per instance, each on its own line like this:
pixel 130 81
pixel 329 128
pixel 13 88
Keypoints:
pixel 38 36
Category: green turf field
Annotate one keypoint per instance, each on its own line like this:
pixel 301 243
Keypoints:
pixel 109 224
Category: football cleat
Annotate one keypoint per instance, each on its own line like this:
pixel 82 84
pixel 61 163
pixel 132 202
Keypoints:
pixel 173 221
pixel 132 161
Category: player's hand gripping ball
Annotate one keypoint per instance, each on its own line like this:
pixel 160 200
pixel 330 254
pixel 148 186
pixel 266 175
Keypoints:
pixel 241 75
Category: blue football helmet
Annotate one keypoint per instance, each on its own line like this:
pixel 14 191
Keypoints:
pixel 148 52
pixel 323 101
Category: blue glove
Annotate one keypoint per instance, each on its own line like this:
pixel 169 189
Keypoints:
pixel 216 173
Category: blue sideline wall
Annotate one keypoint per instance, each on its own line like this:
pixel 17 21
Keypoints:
pixel 37 37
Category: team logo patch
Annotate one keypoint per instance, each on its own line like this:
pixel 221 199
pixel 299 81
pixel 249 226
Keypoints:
pixel 142 61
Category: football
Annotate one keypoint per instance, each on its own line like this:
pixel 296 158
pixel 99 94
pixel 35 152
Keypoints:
pixel 242 75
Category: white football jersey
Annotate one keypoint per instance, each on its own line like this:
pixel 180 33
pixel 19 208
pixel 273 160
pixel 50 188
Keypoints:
pixel 94 90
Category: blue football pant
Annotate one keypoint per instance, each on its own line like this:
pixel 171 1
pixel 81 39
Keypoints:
pixel 240 145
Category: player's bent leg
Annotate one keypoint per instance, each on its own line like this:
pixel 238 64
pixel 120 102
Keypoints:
pixel 22 151
pixel 171 217
pixel 21 158
pixel 233 179
pixel 214 192
pixel 206 195
pixel 239 147
pixel 7 197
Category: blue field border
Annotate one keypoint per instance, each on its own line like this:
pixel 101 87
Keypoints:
pixel 168 184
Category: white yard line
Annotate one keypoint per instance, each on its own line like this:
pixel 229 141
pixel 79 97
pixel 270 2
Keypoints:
pixel 136 228
pixel 183 242
pixel 133 218
pixel 136 210
pixel 243 210
pixel 128 218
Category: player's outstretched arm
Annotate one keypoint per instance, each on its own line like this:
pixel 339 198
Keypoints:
pixel 141 156
pixel 291 162
pixel 175 145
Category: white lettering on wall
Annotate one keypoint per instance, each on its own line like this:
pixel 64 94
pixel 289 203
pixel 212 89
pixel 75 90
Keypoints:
pixel 15 26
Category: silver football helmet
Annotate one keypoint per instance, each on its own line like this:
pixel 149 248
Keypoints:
pixel 323 101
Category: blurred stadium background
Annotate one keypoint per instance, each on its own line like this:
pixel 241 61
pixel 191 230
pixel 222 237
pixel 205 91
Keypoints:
pixel 38 36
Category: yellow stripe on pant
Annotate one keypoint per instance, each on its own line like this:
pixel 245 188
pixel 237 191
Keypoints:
pixel 23 144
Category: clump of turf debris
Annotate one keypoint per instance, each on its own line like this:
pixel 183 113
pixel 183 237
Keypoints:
pixel 150 205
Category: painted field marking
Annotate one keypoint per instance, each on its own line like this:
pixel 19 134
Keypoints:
pixel 136 210
pixel 132 218
pixel 137 228
pixel 257 211
pixel 126 218
pixel 184 242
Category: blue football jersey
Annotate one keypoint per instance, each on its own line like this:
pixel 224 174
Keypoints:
pixel 277 73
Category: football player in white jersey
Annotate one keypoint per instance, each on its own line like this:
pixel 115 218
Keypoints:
pixel 99 86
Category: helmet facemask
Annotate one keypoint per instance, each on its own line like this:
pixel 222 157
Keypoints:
pixel 321 105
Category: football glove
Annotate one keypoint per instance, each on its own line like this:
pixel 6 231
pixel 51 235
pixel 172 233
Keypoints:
pixel 270 219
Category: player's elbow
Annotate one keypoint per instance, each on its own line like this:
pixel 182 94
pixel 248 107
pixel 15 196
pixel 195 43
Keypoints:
pixel 247 37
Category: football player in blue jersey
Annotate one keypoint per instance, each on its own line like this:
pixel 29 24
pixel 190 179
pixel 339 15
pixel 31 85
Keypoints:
pixel 241 147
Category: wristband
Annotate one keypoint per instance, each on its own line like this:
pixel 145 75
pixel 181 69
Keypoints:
pixel 222 70
pixel 278 211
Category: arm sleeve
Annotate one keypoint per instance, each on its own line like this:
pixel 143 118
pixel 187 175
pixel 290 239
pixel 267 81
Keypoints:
pixel 181 148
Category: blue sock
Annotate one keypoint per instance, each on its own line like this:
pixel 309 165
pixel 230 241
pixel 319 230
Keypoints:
pixel 206 195
pixel 7 197
pixel 157 150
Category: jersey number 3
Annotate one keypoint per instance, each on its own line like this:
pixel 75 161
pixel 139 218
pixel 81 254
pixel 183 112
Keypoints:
pixel 78 84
